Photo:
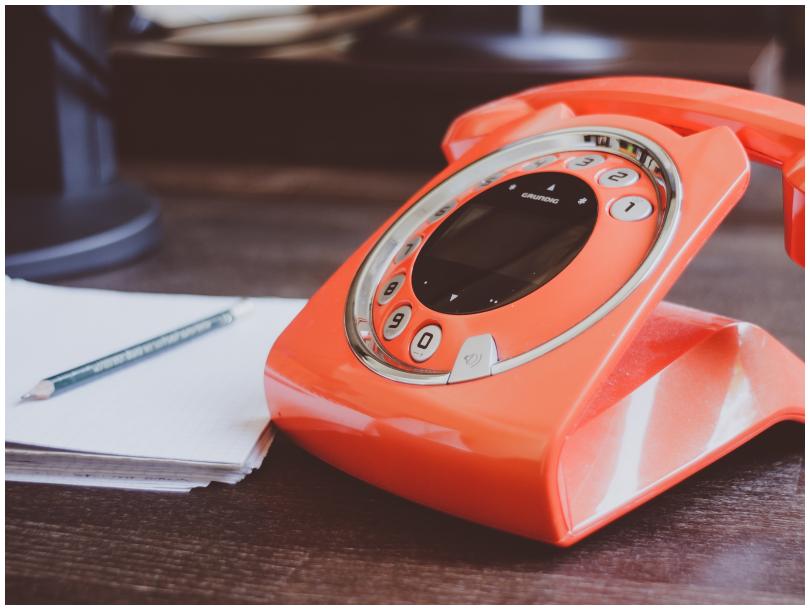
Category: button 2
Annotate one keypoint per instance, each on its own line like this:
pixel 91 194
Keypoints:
pixel 631 209
pixel 407 248
pixel 620 176
pixel 426 342
pixel 389 290
pixel 584 161
pixel 396 322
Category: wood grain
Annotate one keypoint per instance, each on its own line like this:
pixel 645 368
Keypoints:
pixel 300 531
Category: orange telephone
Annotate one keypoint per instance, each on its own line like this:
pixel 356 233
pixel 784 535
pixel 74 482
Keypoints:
pixel 499 348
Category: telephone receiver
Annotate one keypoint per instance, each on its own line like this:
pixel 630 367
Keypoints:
pixel 499 349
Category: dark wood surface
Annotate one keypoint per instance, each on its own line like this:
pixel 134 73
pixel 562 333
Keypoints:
pixel 298 530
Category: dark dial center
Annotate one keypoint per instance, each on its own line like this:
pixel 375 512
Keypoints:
pixel 504 243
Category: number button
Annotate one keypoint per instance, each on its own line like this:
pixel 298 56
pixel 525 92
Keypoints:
pixel 584 161
pixel 389 290
pixel 621 176
pixel 426 342
pixel 407 249
pixel 441 212
pixel 541 162
pixel 397 322
pixel 631 209
pixel 490 179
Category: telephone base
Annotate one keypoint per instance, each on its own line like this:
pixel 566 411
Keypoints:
pixel 692 387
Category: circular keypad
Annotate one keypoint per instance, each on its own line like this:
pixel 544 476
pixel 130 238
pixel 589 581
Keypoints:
pixel 501 240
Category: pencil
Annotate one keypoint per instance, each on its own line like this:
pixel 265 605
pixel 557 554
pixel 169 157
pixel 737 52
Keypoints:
pixel 135 353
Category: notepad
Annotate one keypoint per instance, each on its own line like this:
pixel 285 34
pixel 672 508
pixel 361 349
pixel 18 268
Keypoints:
pixel 182 419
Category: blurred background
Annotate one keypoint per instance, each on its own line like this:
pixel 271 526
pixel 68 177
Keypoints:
pixel 249 150
pixel 159 147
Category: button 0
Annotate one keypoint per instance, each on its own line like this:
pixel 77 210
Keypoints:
pixel 389 290
pixel 621 176
pixel 407 248
pixel 631 209
pixel 584 161
pixel 475 359
pixel 396 322
pixel 426 342
pixel 541 162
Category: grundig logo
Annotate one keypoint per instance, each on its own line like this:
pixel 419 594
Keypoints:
pixel 544 198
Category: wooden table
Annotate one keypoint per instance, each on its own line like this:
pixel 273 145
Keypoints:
pixel 298 530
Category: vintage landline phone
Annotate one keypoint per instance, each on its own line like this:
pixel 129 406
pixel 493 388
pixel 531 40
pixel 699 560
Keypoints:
pixel 499 349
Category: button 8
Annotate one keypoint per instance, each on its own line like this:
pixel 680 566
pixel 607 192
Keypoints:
pixel 390 289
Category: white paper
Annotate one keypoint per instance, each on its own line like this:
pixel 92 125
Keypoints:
pixel 202 401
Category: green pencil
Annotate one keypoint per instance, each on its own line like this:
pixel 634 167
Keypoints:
pixel 130 355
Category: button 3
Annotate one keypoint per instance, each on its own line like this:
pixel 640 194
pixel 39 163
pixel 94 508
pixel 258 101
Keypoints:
pixel 426 342
pixel 631 209
pixel 389 290
pixel 584 161
pixel 397 322
pixel 620 176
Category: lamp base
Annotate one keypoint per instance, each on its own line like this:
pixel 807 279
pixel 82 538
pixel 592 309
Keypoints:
pixel 56 236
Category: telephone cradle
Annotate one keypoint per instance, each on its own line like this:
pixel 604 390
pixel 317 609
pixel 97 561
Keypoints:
pixel 500 349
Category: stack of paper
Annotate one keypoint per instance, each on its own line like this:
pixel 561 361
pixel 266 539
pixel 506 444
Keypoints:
pixel 181 419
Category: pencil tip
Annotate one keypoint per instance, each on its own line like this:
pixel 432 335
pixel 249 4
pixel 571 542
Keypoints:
pixel 242 307
pixel 44 389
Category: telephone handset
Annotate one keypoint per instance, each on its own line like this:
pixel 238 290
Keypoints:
pixel 499 349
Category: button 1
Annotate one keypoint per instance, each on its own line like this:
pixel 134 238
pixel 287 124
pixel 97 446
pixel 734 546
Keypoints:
pixel 407 248
pixel 620 176
pixel 631 209
pixel 584 161
pixel 475 359
pixel 426 342
pixel 390 289
pixel 541 162
pixel 396 322
pixel 441 212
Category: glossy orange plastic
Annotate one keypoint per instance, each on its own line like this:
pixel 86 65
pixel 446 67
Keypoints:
pixel 558 447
